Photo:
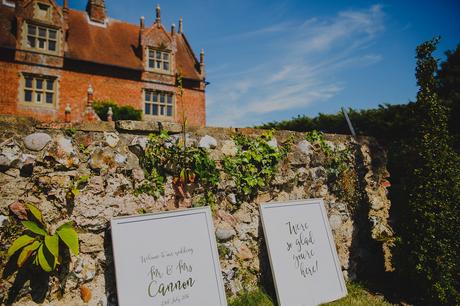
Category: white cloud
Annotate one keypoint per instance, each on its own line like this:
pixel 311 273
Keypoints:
pixel 299 68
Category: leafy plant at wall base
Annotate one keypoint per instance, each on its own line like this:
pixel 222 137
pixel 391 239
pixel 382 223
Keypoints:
pixel 40 246
pixel 255 163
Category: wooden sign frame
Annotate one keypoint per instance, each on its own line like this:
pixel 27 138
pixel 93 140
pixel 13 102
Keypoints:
pixel 302 252
pixel 167 258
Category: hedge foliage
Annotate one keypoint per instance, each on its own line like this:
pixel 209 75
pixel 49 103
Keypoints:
pixel 430 239
pixel 120 112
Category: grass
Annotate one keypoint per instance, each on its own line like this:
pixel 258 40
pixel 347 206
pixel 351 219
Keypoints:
pixel 357 296
pixel 251 298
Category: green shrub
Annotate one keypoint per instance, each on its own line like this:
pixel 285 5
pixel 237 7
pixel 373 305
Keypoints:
pixel 428 254
pixel 120 112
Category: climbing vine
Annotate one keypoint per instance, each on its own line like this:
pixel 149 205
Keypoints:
pixel 189 167
pixel 341 176
pixel 255 163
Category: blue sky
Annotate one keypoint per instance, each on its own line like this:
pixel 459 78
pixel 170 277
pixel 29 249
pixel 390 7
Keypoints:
pixel 272 60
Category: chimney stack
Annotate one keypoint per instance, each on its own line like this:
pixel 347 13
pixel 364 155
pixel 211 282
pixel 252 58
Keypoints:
pixel 96 10
pixel 173 29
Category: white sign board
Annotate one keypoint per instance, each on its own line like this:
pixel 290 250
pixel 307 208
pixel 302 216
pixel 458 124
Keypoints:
pixel 168 258
pixel 302 253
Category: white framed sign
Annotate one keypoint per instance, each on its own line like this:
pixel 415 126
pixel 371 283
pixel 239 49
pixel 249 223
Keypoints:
pixel 168 258
pixel 302 253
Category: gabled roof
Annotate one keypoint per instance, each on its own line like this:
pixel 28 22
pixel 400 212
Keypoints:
pixel 115 44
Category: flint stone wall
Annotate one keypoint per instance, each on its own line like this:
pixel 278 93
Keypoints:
pixel 38 165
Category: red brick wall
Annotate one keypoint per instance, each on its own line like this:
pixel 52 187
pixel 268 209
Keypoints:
pixel 195 108
pixel 72 89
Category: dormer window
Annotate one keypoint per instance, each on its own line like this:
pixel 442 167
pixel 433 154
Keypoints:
pixel 42 38
pixel 43 11
pixel 159 60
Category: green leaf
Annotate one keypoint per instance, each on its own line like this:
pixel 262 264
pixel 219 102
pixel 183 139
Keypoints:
pixel 52 244
pixel 34 227
pixel 69 236
pixel 19 243
pixel 75 191
pixel 46 259
pixel 26 252
pixel 35 212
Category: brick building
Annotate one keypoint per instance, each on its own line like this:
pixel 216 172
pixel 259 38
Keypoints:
pixel 52 56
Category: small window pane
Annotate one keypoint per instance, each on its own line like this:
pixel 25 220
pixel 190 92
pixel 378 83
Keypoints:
pixel 49 84
pixel 148 95
pixel 31 41
pixel 38 97
pixel 42 32
pixel 31 29
pixel 41 43
pixel 165 66
pixel 155 97
pixel 158 55
pixel 39 83
pixel 151 64
pixel 154 109
pixel 52 34
pixel 28 82
pixel 151 53
pixel 158 65
pixel 162 98
pixel 28 95
pixel 52 45
pixel 49 98
pixel 147 108
pixel 162 110
pixel 169 111
pixel 165 56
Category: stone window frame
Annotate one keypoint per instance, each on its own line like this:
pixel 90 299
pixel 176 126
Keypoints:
pixel 155 61
pixel 37 37
pixel 161 106
pixel 36 91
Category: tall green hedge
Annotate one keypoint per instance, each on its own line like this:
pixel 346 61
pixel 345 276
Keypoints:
pixel 120 112
pixel 430 238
